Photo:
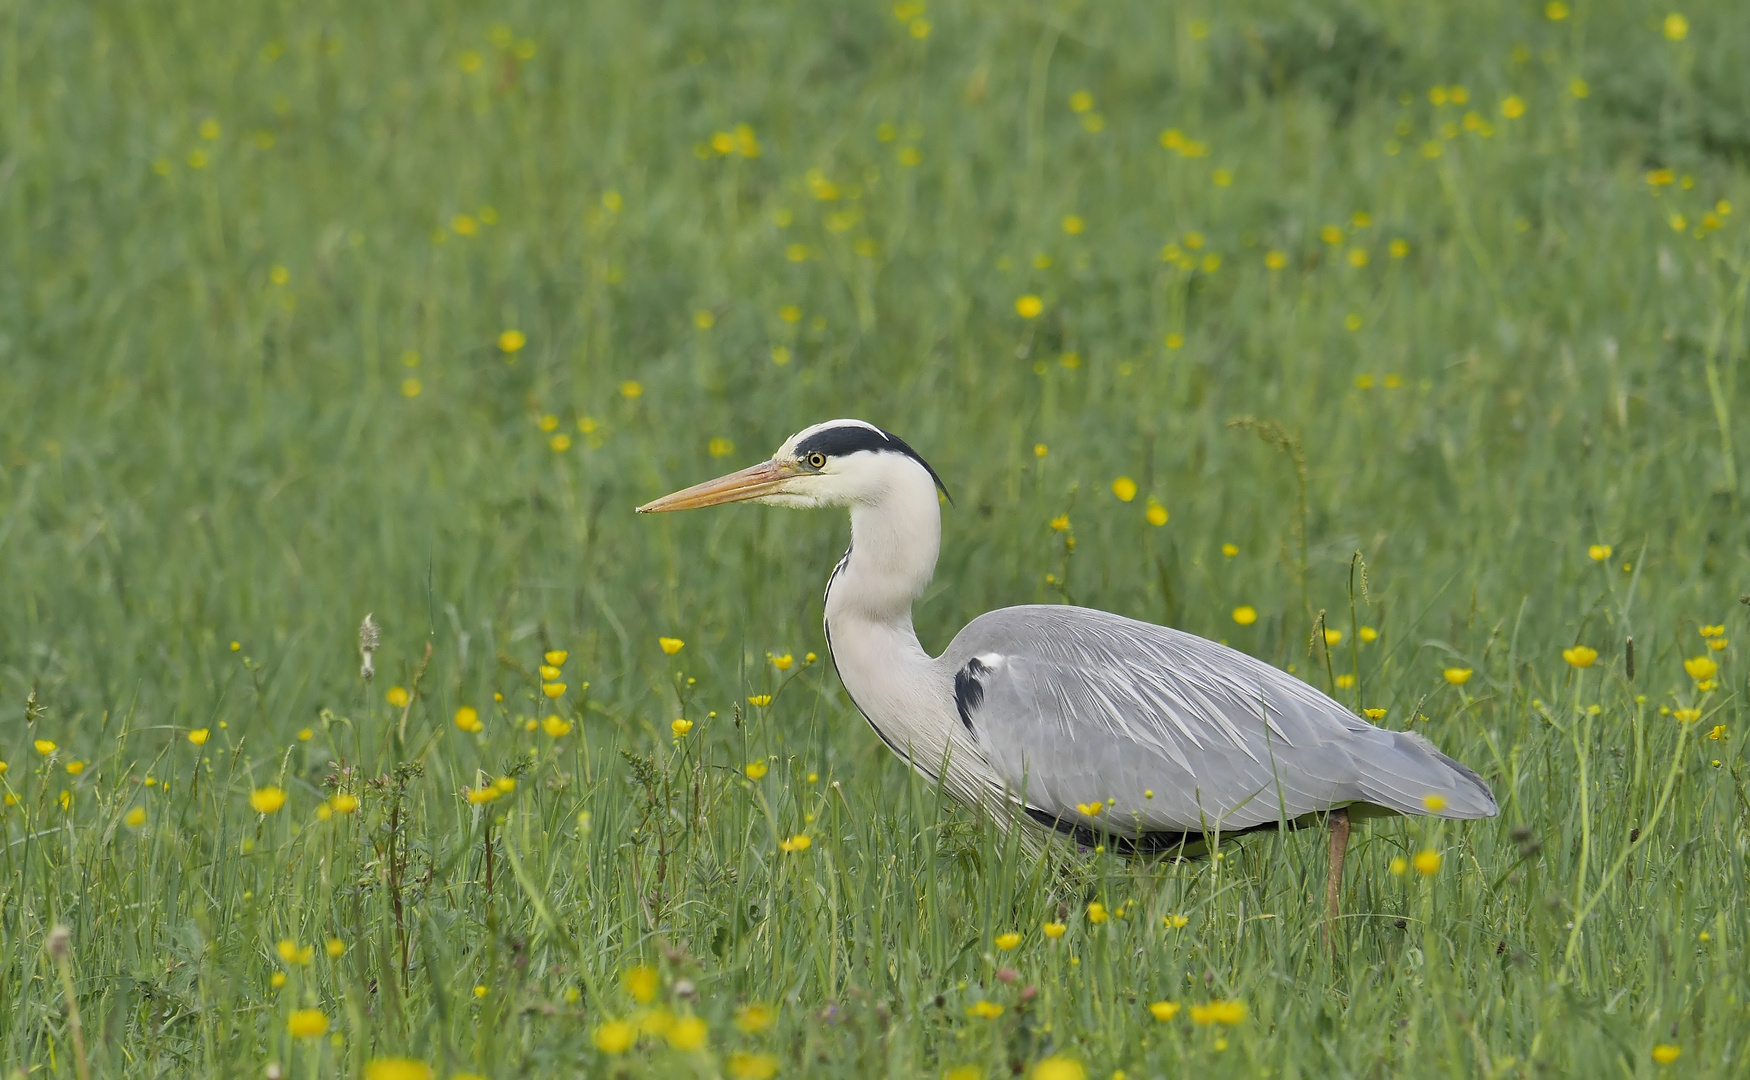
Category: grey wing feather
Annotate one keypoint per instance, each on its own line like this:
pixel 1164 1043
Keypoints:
pixel 1075 706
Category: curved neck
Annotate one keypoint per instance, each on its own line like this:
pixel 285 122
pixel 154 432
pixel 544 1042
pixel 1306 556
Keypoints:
pixel 895 538
pixel 894 543
pixel 897 686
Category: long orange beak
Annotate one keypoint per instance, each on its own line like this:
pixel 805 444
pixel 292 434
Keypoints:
pixel 750 483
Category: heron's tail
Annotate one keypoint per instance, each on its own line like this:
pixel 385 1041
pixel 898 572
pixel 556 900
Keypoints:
pixel 1410 775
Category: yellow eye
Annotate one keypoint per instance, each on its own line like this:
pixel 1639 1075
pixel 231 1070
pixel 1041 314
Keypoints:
pixel 817 460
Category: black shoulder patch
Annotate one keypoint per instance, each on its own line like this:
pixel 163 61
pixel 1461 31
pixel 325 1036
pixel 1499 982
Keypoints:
pixel 841 439
pixel 968 691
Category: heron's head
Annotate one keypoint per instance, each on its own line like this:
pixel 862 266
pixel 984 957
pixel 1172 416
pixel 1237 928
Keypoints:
pixel 838 463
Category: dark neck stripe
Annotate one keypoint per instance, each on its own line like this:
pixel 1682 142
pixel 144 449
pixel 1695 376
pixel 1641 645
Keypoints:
pixel 844 439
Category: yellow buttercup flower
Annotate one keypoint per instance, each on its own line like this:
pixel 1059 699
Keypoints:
pixel 1373 714
pixel 44 747
pixel 1096 912
pixel 1332 637
pixel 642 982
pixel 1581 656
pixel 1008 941
pixel 1245 614
pixel 988 1010
pixel 680 727
pixel 755 769
pixel 1225 1013
pixel 548 671
pixel 1687 715
pixel 1156 514
pixel 755 1017
pixel 1598 552
pixel 1676 27
pixel 136 817
pixel 1058 1067
pixel 670 645
pixel 555 657
pixel 1060 523
pixel 307 1023
pixel 688 1034
pixel 553 690
pixel 199 736
pixel 1053 930
pixel 1457 676
pixel 511 341
pixel 1090 809
pixel 1368 635
pixel 1701 668
pixel 759 700
pixel 555 726
pixel 1666 1053
pixel 290 952
pixel 1125 488
pixel 477 796
pixel 266 800
pixel 799 842
pixel 335 948
pixel 1428 862
pixel 343 803
pixel 746 1066
pixel 397 696
pixel 782 663
pixel 1029 306
pixel 615 1037
pixel 468 719
pixel 1164 1010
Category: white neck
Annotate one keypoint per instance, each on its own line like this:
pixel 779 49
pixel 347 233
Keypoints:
pixel 895 538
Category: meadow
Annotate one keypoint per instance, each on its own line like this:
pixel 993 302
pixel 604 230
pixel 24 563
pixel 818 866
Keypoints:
pixel 1397 344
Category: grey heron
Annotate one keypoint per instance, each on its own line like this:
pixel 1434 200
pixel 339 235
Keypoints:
pixel 1088 723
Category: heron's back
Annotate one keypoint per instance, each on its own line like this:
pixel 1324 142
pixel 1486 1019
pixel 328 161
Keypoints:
pixel 1168 731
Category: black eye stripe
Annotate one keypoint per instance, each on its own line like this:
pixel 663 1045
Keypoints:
pixel 845 439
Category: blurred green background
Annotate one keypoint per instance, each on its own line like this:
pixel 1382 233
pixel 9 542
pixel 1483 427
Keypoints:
pixel 314 310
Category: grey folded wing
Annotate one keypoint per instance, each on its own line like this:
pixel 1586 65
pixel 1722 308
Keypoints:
pixel 1171 732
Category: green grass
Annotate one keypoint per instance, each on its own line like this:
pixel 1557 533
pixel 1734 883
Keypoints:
pixel 208 438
